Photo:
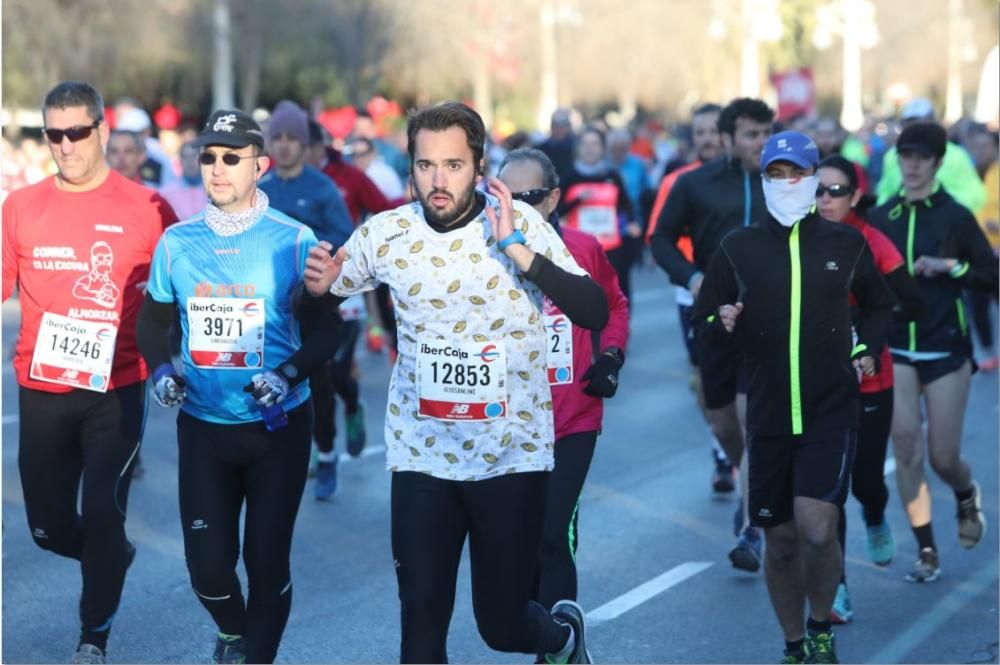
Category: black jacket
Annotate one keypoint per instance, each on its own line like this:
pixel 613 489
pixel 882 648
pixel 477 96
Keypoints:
pixel 938 226
pixel 756 266
pixel 706 204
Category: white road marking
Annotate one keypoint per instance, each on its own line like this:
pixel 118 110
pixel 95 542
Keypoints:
pixel 646 591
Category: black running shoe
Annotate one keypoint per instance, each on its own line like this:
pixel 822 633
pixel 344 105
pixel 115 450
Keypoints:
pixel 571 614
pixel 229 649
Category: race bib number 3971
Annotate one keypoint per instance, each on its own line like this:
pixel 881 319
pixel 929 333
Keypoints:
pixel 74 352
pixel 461 380
pixel 226 333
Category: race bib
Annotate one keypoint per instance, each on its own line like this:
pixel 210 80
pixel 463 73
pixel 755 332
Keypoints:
pixel 226 333
pixel 461 380
pixel 74 352
pixel 598 220
pixel 353 309
pixel 559 346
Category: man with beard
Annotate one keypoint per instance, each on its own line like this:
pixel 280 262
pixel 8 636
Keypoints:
pixel 469 428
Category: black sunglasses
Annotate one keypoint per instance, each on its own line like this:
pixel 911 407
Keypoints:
pixel 229 159
pixel 836 191
pixel 74 134
pixel 532 196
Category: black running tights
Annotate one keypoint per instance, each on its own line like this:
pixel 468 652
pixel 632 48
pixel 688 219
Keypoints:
pixel 502 518
pixel 220 467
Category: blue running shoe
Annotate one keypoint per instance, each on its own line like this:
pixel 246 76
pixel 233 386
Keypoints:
pixel 747 553
pixel 841 612
pixel 880 546
pixel 326 480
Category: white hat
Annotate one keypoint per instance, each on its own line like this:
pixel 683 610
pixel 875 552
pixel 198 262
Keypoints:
pixel 917 108
pixel 133 120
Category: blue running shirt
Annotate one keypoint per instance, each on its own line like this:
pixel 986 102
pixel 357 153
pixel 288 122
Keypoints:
pixel 235 298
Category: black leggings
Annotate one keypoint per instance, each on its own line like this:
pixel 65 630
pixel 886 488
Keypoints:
pixel 93 437
pixel 868 473
pixel 502 518
pixel 220 467
pixel 330 380
pixel 560 537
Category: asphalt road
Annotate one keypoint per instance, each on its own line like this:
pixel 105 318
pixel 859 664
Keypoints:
pixel 654 576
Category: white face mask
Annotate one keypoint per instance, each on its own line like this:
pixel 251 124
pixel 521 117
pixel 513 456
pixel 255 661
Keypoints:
pixel 790 200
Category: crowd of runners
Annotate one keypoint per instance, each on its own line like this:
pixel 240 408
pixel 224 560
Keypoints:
pixel 827 286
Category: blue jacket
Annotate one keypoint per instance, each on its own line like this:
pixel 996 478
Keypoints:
pixel 313 199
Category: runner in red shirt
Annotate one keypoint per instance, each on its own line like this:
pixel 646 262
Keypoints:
pixel 77 246
pixel 583 369
pixel 840 199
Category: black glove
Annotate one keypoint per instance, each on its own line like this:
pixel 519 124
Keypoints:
pixel 603 376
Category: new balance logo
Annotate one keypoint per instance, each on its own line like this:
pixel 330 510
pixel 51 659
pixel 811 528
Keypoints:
pixel 764 512
pixel 832 265
pixel 198 524
pixel 459 409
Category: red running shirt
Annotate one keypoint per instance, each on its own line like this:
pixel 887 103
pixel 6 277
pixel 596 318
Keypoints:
pixel 83 255
pixel 887 259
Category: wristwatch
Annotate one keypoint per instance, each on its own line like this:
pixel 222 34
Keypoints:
pixel 514 238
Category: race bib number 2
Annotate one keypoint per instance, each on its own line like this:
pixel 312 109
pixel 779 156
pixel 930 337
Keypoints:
pixel 226 333
pixel 559 334
pixel 461 381
pixel 73 352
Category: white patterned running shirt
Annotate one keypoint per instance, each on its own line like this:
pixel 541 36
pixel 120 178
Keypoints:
pixel 469 397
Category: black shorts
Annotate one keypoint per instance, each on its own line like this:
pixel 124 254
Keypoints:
pixel 929 371
pixel 684 316
pixel 816 465
pixel 722 371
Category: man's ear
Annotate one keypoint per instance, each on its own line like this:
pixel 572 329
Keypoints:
pixel 263 161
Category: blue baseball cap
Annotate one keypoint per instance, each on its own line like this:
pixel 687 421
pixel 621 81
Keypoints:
pixel 794 147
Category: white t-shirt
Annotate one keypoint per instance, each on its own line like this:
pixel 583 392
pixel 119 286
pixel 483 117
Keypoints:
pixel 456 292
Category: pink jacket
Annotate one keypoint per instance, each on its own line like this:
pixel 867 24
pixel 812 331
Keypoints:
pixel 576 411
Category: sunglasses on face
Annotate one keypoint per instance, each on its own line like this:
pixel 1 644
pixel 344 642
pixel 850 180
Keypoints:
pixel 836 191
pixel 74 134
pixel 532 196
pixel 229 159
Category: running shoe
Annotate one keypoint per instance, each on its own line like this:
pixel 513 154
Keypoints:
pixel 820 648
pixel 880 546
pixel 356 436
pixel 88 654
pixel 747 553
pixel 927 567
pixel 971 523
pixel 571 614
pixel 229 649
pixel 793 657
pixel 723 475
pixel 326 480
pixel 841 612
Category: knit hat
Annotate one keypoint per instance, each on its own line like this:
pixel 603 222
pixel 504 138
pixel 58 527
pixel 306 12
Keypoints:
pixel 289 118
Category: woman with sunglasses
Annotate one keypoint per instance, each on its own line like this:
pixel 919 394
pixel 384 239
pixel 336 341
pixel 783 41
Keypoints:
pixel 839 199
pixel 595 202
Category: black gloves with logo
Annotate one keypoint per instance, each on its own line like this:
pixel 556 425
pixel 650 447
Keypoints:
pixel 603 374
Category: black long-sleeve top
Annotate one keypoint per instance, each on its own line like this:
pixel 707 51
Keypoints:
pixel 795 326
pixel 938 226
pixel 705 204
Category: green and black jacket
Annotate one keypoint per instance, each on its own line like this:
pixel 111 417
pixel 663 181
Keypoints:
pixel 795 327
pixel 938 226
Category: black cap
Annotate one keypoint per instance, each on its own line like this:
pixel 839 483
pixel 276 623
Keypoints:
pixel 926 138
pixel 233 129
